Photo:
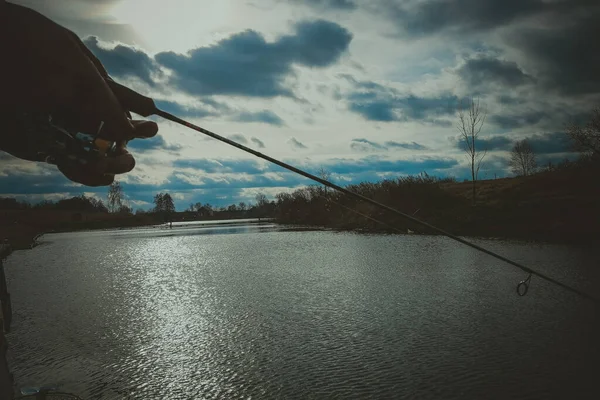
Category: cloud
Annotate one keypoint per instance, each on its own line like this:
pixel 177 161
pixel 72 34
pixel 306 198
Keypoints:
pixel 265 116
pixel 551 38
pixel 296 144
pixel 328 4
pixel 428 17
pixel 377 164
pixel 483 71
pixel 48 180
pixel 258 142
pixel 375 102
pixel 362 144
pixel 212 108
pixel 189 111
pixel 238 138
pixel 491 143
pixel 538 114
pixel 564 56
pixel 405 145
pixel 506 99
pixel 155 143
pixel 222 166
pixel 181 181
pixel 124 61
pixel 245 64
pixel 365 145
pixel 548 143
pixel 525 118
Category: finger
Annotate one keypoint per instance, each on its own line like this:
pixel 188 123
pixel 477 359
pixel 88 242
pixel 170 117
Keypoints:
pixel 84 177
pixel 144 129
pixel 118 164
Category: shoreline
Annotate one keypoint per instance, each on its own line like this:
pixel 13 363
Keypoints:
pixel 550 240
pixel 26 239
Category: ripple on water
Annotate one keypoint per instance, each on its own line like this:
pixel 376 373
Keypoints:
pixel 256 313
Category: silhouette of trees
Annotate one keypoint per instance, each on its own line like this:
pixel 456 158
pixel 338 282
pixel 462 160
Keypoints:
pixel 115 194
pixel 261 200
pixel 163 203
pixel 587 138
pixel 522 158
pixel 78 203
pixel 470 122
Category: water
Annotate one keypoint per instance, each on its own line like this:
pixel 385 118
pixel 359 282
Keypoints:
pixel 258 311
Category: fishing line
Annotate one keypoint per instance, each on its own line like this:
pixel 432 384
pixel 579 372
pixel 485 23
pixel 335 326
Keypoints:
pixel 145 106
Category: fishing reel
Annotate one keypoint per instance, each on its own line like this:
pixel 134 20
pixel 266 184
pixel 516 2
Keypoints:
pixel 57 139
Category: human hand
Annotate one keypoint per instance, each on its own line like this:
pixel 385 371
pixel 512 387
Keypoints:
pixel 50 70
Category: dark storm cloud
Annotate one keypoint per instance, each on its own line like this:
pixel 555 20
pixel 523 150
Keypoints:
pixel 551 143
pixel 460 16
pixel 567 56
pixel 327 4
pixel 543 115
pixel 556 39
pixel 246 64
pixel 482 71
pixel 490 143
pixel 514 121
pixel 547 143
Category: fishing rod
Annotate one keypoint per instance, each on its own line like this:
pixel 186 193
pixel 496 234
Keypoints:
pixel 146 107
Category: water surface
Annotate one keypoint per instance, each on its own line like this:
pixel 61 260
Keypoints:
pixel 257 311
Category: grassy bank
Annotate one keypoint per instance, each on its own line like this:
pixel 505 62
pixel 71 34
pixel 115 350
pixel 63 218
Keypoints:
pixel 556 206
pixel 19 227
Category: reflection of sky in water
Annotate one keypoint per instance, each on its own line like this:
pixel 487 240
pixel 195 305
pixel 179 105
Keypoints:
pixel 251 310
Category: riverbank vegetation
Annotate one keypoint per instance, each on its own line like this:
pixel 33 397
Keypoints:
pixel 558 205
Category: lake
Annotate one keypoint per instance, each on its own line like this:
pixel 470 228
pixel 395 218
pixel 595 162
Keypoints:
pixel 241 310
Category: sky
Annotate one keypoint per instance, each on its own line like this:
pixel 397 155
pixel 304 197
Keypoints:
pixel 366 90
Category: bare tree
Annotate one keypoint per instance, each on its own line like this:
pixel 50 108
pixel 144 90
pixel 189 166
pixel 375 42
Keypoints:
pixel 115 195
pixel 326 176
pixel 522 158
pixel 587 138
pixel 261 199
pixel 470 122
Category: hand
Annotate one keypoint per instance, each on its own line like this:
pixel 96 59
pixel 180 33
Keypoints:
pixel 49 69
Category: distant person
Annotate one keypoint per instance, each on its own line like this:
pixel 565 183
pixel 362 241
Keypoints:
pixel 46 68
